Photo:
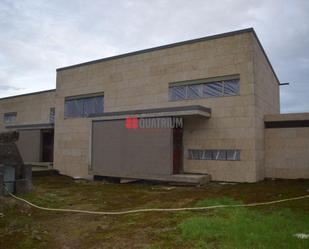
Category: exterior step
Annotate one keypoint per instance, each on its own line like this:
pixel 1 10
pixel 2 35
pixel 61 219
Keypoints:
pixel 179 179
pixel 196 179
pixel 43 171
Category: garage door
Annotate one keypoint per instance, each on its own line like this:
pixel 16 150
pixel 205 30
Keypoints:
pixel 121 152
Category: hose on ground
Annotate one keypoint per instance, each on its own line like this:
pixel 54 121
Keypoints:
pixel 154 209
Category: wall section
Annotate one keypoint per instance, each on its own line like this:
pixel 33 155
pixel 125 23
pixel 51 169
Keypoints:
pixel 141 81
pixel 287 152
pixel 31 108
pixel 266 101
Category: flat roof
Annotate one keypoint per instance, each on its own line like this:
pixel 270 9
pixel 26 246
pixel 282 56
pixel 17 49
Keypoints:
pixel 286 117
pixel 31 126
pixel 206 38
pixel 27 94
pixel 288 120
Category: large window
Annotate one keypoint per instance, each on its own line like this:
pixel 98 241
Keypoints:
pixel 204 90
pixel 83 107
pixel 231 155
pixel 9 117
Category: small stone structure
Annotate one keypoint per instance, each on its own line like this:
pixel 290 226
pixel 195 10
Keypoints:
pixel 10 157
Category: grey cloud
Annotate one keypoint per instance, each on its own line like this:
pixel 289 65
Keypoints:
pixel 8 87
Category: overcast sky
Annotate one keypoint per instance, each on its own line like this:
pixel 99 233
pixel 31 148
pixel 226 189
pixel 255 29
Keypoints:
pixel 39 36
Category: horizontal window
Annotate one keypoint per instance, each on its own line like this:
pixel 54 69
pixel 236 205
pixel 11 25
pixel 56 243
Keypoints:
pixel 84 107
pixel 204 90
pixel 231 155
pixel 230 87
pixel 212 90
pixel 9 117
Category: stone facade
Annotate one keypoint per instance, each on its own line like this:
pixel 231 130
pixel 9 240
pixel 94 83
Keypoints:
pixel 266 101
pixel 286 147
pixel 30 108
pixel 141 80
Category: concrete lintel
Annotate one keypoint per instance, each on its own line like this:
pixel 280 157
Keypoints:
pixel 31 126
pixel 181 111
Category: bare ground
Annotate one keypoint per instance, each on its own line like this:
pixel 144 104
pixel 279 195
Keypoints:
pixel 25 227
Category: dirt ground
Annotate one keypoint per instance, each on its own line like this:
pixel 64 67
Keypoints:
pixel 24 227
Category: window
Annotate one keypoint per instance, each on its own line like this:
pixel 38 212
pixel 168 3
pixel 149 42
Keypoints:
pixel 219 155
pixel 178 93
pixel 204 90
pixel 194 91
pixel 212 90
pixel 231 87
pixel 9 117
pixel 231 155
pixel 52 115
pixel 83 107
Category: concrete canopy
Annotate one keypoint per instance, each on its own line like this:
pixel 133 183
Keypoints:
pixel 180 111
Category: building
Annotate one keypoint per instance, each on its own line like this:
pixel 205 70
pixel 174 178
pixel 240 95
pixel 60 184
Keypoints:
pixel 222 88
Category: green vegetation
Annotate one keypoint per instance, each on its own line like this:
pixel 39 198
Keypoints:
pixel 244 228
pixel 262 227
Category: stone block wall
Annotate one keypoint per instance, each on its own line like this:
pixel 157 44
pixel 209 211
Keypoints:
pixel 142 81
pixel 31 108
pixel 287 148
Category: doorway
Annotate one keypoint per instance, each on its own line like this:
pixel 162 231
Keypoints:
pixel 47 144
pixel 177 150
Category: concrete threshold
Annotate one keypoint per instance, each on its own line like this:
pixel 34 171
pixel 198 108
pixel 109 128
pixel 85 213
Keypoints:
pixel 40 164
pixel 182 179
pixel 43 171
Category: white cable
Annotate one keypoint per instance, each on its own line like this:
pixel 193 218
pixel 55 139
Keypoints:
pixel 155 209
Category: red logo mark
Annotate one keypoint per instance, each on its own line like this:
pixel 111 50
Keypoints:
pixel 131 123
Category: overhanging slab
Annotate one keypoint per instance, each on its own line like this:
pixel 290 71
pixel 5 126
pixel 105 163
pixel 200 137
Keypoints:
pixel 179 111
pixel 31 126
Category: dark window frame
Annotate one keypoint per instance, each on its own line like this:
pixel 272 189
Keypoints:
pixel 286 124
pixel 8 115
pixel 181 90
pixel 83 101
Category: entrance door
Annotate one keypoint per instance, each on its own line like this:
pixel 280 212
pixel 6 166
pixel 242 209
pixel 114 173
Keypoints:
pixel 47 145
pixel 177 150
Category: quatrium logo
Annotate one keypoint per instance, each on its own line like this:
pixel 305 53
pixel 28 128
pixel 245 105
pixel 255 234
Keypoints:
pixel 131 123
pixel 153 123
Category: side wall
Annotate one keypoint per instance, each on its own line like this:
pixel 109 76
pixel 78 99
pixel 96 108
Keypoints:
pixel 142 81
pixel 267 101
pixel 287 152
pixel 31 108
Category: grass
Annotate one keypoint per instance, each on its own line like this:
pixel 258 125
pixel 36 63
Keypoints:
pixel 244 228
pixel 270 226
